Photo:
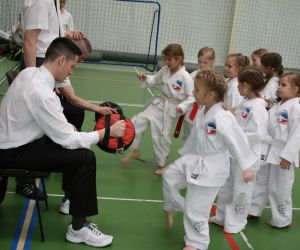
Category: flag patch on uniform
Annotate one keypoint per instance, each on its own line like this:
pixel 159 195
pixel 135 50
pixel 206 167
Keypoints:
pixel 178 85
pixel 283 117
pixel 245 112
pixel 211 128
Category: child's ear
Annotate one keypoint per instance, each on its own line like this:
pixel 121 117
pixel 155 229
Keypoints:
pixel 296 90
pixel 212 95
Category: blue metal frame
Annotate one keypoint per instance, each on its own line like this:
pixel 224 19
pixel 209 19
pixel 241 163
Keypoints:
pixel 156 13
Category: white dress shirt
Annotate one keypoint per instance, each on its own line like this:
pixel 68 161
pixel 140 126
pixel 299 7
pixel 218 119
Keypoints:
pixel 31 109
pixel 67 20
pixel 42 15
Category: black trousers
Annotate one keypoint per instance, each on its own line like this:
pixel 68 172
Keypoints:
pixel 39 62
pixel 77 165
pixel 74 115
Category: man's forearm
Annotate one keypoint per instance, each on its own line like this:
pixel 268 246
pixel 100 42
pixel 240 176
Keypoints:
pixel 29 51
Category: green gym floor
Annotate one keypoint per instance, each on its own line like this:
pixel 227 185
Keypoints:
pixel 129 197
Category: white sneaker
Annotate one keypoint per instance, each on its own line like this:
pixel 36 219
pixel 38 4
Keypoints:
pixel 64 207
pixel 89 235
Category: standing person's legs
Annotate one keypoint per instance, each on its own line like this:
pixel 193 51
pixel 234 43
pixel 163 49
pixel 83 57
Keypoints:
pixel 260 194
pixel 152 116
pixel 198 202
pixel 174 180
pixel 280 195
pixel 39 62
pixel 141 122
pixel 165 140
pixel 74 115
pixel 225 197
pixel 236 211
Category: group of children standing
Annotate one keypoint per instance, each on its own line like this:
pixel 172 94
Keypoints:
pixel 241 140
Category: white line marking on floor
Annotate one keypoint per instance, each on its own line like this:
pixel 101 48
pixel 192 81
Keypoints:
pixel 104 68
pixel 126 199
pixel 120 103
pixel 3 59
pixel 105 198
pixel 246 240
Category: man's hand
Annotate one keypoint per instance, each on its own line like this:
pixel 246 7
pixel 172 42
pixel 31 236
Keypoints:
pixel 106 110
pixel 118 129
pixel 74 34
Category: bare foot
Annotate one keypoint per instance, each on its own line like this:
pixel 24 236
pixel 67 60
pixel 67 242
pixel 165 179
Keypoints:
pixel 159 170
pixel 170 219
pixel 189 248
pixel 133 154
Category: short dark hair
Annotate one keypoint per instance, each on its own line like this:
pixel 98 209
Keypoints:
pixel 62 46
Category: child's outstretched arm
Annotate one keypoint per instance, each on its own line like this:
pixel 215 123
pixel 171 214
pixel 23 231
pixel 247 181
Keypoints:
pixel 140 75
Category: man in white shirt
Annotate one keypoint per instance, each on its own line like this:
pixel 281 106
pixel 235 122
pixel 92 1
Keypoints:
pixel 41 23
pixel 29 110
pixel 67 18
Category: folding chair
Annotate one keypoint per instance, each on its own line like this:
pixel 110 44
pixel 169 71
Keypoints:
pixel 32 175
pixel 11 75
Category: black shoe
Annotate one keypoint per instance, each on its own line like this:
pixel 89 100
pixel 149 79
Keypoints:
pixel 27 190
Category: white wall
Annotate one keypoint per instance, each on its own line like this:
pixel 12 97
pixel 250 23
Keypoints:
pixel 225 25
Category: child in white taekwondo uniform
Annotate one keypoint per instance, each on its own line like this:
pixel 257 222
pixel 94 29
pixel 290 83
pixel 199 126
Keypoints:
pixel 234 63
pixel 234 198
pixel 272 68
pixel 283 155
pixel 206 61
pixel 175 97
pixel 204 166
pixel 256 56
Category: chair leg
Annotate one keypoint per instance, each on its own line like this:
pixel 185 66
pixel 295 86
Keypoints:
pixel 45 193
pixel 37 203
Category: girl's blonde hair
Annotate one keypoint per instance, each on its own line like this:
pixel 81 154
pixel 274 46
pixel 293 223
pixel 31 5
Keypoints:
pixel 215 82
pixel 240 59
pixel 207 51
